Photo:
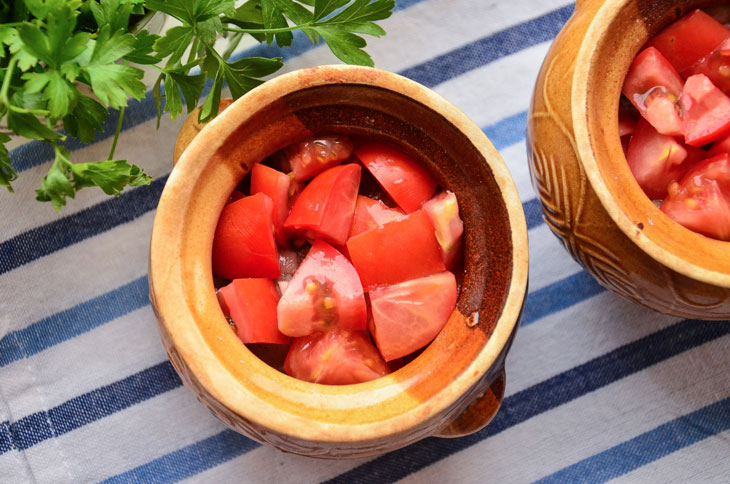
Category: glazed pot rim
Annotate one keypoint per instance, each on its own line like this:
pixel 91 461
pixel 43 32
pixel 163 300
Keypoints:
pixel 203 362
pixel 585 61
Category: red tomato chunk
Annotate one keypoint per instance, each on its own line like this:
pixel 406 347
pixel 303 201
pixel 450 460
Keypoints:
pixel 244 244
pixel 251 304
pixel 407 182
pixel 371 214
pixel 396 252
pixel 326 206
pixel 705 111
pixel 337 357
pixel 443 210
pixel 309 158
pixel 275 185
pixel 407 316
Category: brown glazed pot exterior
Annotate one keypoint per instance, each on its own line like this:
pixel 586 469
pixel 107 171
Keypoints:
pixel 455 385
pixel 590 200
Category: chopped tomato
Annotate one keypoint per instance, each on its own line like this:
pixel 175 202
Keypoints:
pixel 653 87
pixel 408 315
pixel 656 160
pixel 244 244
pixel 701 200
pixel 275 185
pixel 335 357
pixel 251 304
pixel 690 38
pixel 371 214
pixel 705 111
pixel 396 252
pixel 716 66
pixel 326 206
pixel 405 180
pixel 443 210
pixel 311 157
pixel 325 292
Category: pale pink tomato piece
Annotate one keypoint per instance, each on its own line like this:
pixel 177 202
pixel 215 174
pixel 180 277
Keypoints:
pixel 335 357
pixel 371 214
pixel 408 315
pixel 324 293
pixel 443 210
pixel 310 158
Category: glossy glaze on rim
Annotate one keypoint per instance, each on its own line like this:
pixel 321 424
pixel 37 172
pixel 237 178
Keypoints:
pixel 184 294
pixel 613 39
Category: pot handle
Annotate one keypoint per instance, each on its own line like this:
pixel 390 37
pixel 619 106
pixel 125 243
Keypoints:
pixel 479 412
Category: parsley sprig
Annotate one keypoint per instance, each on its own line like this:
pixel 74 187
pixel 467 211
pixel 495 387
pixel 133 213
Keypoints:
pixel 65 62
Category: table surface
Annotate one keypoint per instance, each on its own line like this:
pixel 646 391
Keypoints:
pixel 597 388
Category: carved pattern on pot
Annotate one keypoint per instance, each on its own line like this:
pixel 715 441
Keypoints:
pixel 563 205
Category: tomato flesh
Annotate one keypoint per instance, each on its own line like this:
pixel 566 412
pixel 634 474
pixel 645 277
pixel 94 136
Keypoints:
pixel 325 292
pixel 705 111
pixel 244 244
pixel 690 38
pixel 335 357
pixel 396 252
pixel 251 304
pixel 408 315
pixel 443 210
pixel 325 208
pixel 402 177
pixel 653 87
pixel 275 185
pixel 656 160
pixel 701 200
pixel 311 157
pixel 371 214
pixel 716 66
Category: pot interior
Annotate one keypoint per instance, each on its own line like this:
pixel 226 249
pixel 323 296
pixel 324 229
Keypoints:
pixel 616 36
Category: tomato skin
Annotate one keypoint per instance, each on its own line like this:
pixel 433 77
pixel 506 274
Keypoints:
pixel 690 38
pixel 701 200
pixel 402 177
pixel 325 292
pixel 335 357
pixel 251 304
pixel 705 111
pixel 244 244
pixel 275 185
pixel 371 214
pixel 443 210
pixel 326 206
pixel 653 87
pixel 656 160
pixel 396 252
pixel 407 316
pixel 309 158
pixel 715 65
pixel 720 146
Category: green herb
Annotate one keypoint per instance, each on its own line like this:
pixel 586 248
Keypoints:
pixel 51 48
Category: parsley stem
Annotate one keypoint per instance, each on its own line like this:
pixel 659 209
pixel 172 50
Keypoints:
pixel 267 31
pixel 116 133
pixel 6 87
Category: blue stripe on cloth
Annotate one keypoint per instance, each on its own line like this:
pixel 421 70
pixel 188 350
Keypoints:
pixel 559 295
pixel 74 321
pixel 68 230
pixel 647 447
pixel 36 153
pixel 89 407
pixel 508 131
pixel 488 49
pixel 544 396
pixel 533 213
pixel 188 461
pixel 517 408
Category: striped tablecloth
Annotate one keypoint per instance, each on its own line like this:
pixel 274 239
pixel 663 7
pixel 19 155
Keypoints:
pixel 597 388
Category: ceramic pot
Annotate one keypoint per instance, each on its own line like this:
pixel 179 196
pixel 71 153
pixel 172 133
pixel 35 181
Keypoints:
pixel 453 387
pixel 588 194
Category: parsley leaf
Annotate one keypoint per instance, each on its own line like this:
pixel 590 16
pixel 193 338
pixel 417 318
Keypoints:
pixel 7 173
pixel 86 119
